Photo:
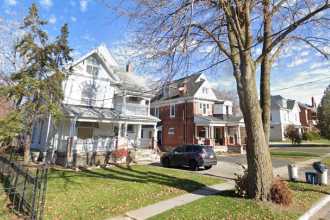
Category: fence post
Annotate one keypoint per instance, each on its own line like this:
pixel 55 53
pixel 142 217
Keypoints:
pixel 23 194
pixel 33 214
pixel 44 191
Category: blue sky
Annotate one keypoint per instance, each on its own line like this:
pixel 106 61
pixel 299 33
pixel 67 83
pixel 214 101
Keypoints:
pixel 91 23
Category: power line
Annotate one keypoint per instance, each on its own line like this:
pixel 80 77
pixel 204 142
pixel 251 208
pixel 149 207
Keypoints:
pixel 301 84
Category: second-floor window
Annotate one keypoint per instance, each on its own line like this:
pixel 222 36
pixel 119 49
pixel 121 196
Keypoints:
pixel 172 111
pixel 227 110
pixel 157 112
pixel 204 109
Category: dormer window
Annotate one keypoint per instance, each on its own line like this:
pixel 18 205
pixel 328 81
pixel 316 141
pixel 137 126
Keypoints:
pixel 92 67
pixel 227 110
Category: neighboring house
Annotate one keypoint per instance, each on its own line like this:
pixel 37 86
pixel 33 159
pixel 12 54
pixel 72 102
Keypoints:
pixel 105 107
pixel 284 112
pixel 191 112
pixel 308 116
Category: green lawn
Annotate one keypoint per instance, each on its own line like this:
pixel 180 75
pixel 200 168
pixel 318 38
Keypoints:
pixel 326 161
pixel 5 214
pixel 293 154
pixel 228 206
pixel 108 192
pixel 321 141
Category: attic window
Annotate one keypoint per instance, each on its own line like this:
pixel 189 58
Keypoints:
pixel 92 66
pixel 205 90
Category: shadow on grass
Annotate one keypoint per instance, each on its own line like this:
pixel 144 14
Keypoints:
pixel 130 174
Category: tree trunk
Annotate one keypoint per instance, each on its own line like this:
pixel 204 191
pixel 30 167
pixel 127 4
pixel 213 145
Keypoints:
pixel 26 146
pixel 265 100
pixel 260 170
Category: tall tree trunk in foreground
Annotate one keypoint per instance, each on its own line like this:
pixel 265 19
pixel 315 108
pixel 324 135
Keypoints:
pixel 265 99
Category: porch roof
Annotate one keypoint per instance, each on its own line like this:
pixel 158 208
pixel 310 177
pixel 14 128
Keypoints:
pixel 212 120
pixel 101 114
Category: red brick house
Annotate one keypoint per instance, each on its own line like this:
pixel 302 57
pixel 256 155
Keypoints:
pixel 192 112
pixel 308 116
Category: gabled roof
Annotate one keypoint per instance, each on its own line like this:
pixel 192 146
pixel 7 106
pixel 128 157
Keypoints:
pixel 278 101
pixel 192 86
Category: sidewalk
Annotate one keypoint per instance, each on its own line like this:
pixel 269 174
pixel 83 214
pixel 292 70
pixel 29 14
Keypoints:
pixel 160 207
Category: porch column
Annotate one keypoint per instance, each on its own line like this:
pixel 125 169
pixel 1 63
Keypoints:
pixel 239 135
pixel 139 132
pixel 125 130
pixel 225 130
pixel 119 130
pixel 211 132
pixel 155 137
pixel 206 132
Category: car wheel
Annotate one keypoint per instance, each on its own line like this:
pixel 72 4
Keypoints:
pixel 166 162
pixel 193 165
pixel 207 167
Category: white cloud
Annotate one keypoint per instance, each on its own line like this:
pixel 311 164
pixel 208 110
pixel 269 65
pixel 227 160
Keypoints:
pixel 52 19
pixel 83 5
pixel 46 3
pixel 297 61
pixel 73 18
pixel 11 2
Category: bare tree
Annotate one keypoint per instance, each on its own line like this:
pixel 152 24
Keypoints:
pixel 176 31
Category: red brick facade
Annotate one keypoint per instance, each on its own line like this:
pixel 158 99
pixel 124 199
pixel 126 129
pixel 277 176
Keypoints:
pixel 179 129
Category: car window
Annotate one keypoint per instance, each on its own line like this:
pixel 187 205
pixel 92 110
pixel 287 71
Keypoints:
pixel 179 149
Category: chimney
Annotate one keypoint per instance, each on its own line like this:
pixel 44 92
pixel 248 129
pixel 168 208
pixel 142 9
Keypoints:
pixel 182 89
pixel 313 102
pixel 129 67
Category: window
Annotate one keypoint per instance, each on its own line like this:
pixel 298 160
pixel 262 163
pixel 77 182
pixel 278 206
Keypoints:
pixel 130 129
pixel 200 105
pixel 171 131
pixel 208 106
pixel 157 112
pixel 227 110
pixel 204 109
pixel 92 66
pixel 205 90
pixel 172 111
pixel 179 149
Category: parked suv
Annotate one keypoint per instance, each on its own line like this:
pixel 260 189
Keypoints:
pixel 194 156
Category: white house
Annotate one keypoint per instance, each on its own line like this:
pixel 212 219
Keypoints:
pixel 106 107
pixel 284 112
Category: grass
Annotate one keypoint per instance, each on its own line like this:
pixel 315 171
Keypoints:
pixel 5 214
pixel 322 141
pixel 103 193
pixel 293 154
pixel 326 161
pixel 228 206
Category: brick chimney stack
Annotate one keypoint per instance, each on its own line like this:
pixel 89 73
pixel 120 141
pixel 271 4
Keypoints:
pixel 313 102
pixel 129 67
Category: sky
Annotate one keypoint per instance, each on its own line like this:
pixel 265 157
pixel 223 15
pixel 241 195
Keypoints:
pixel 299 73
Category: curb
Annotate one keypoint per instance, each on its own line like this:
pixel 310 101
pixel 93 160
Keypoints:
pixel 315 208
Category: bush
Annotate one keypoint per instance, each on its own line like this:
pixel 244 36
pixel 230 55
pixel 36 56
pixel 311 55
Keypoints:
pixel 311 135
pixel 293 134
pixel 241 183
pixel 280 192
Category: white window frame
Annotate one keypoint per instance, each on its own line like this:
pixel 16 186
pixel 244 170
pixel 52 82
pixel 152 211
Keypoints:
pixel 172 106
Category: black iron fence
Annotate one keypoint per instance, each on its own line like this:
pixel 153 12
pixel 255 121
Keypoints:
pixel 25 186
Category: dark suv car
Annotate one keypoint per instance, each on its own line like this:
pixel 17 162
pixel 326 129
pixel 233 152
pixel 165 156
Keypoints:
pixel 194 156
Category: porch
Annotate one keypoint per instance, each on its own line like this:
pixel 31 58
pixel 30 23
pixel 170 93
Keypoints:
pixel 223 135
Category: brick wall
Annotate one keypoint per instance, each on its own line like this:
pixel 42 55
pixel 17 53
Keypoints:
pixel 182 124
